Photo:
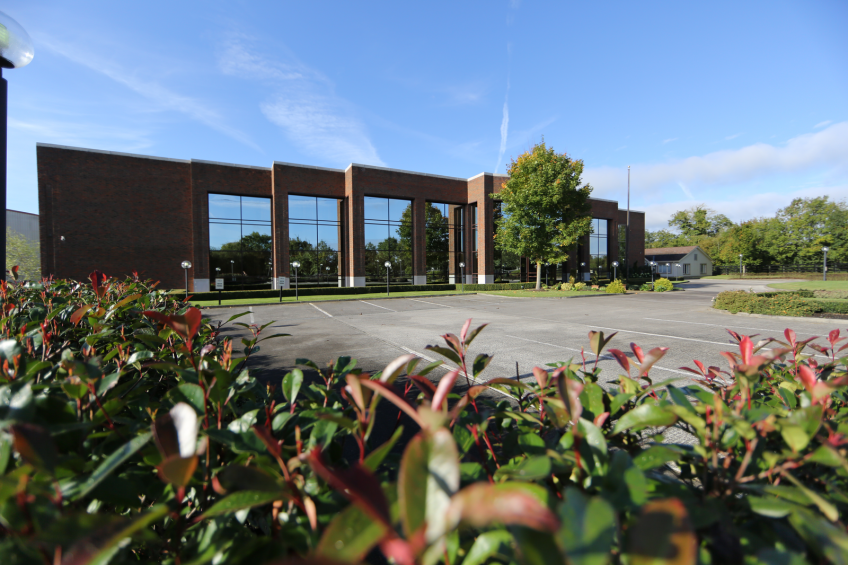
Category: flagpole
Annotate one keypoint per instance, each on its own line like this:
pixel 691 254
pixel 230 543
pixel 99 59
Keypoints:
pixel 627 234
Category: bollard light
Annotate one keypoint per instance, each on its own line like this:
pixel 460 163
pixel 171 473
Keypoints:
pixel 388 266
pixel 461 277
pixel 295 264
pixel 186 265
pixel 615 270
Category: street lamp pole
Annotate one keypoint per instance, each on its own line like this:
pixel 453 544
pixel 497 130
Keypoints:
pixel 461 277
pixel 16 51
pixel 653 264
pixel 295 264
pixel 186 265
pixel 388 266
pixel 740 266
pixel 232 270
pixel 824 269
pixel 615 270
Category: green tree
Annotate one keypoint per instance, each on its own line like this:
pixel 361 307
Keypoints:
pixel 697 223
pixel 251 242
pixel 807 225
pixel 661 238
pixel 545 207
pixel 24 253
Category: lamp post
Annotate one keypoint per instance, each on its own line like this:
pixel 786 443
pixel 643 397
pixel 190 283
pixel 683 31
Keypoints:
pixel 388 266
pixel 15 52
pixel 232 270
pixel 295 264
pixel 186 265
pixel 668 268
pixel 740 266
pixel 328 274
pixel 824 269
pixel 678 266
pixel 461 277
pixel 546 273
pixel 615 270
pixel 582 264
pixel 653 264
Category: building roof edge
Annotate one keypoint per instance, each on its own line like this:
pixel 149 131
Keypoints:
pixel 117 153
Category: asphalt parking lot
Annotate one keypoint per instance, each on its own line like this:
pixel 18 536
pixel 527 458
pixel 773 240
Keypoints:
pixel 527 331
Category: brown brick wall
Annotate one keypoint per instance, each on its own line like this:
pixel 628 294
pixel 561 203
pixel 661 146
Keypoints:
pixel 121 213
pixel 117 214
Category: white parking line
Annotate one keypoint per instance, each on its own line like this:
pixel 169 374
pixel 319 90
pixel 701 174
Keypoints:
pixel 322 311
pixel 378 306
pixel 722 325
pixel 433 303
pixel 601 358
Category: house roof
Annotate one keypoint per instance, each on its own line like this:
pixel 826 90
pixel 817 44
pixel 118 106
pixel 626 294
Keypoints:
pixel 670 253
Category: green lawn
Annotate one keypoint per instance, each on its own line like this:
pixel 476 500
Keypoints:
pixel 812 285
pixel 543 293
pixel 249 301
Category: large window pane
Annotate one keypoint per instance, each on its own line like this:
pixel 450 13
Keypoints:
pixel 388 237
pixel 314 239
pixel 376 208
pixel 240 240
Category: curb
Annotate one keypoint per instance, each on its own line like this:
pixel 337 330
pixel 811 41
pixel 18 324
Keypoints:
pixel 788 318
pixel 333 300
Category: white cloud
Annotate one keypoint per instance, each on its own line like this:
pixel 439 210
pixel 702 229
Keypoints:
pixel 734 136
pixel 303 105
pixel 685 190
pixel 822 124
pixel 84 134
pixel 504 131
pixel 669 140
pixel 826 148
pixel 146 86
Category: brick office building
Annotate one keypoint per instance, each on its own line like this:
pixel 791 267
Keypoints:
pixel 121 213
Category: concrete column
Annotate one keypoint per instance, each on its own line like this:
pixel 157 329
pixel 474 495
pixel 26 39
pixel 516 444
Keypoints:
pixel 468 244
pixel 355 229
pixel 419 241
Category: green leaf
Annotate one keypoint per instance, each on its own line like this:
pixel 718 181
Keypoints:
pixel 189 393
pixel 593 446
pixel 679 398
pixel 428 478
pixel 488 544
pixel 373 460
pixel 236 317
pixel 771 507
pixel 101 546
pixel 445 352
pixel 112 462
pixel 350 536
pixel 644 416
pixel 662 535
pixel 619 400
pixel 530 469
pixel 242 500
pixel 655 456
pixel 533 547
pixel 588 528
pixel 825 539
pixel 291 385
pixel 826 508
pixel 795 436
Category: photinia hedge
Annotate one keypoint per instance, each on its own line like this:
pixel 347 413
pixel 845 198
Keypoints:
pixel 132 430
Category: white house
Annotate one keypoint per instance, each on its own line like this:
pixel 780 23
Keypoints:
pixel 690 261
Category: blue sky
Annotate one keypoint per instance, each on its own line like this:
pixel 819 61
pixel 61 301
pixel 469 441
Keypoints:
pixel 738 105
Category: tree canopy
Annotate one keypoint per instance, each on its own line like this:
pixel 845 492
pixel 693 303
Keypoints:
pixel 545 207
pixel 795 235
pixel 251 242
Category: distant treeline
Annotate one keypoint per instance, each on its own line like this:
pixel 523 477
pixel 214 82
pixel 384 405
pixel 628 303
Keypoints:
pixel 796 234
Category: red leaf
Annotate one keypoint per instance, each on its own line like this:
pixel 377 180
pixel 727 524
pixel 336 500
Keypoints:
pixel 807 376
pixel 637 351
pixel 445 386
pixel 185 326
pixel 96 279
pixel 621 358
pixel 541 377
pixel 357 484
pixel 482 504
pixel 424 384
pixel 790 336
pixel 464 331
pixel 270 442
pixel 392 397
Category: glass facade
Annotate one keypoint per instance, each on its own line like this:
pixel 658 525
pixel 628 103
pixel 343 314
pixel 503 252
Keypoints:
pixel 316 239
pixel 240 240
pixel 444 241
pixel 599 248
pixel 507 264
pixel 388 237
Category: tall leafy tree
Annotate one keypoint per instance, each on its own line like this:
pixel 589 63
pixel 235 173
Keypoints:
pixel 661 238
pixel 24 253
pixel 545 207
pixel 697 223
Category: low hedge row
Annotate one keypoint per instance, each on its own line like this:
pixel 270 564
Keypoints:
pixel 326 291
pixel 829 306
pixel 774 304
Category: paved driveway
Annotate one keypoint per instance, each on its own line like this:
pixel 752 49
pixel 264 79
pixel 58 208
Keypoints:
pixel 522 331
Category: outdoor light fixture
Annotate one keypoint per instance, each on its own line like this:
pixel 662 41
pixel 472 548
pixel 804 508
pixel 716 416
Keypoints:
pixel 232 267
pixel 15 52
pixel 186 265
pixel 388 266
pixel 546 273
pixel 824 270
pixel 461 277
pixel 295 264
pixel 740 265
pixel 653 264
pixel 615 270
